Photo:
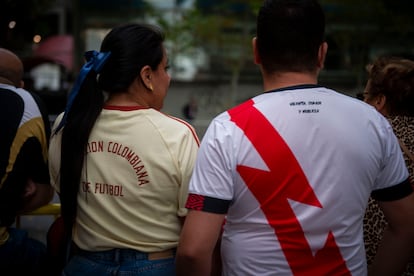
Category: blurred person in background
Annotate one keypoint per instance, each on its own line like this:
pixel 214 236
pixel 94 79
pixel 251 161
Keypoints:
pixel 390 89
pixel 120 166
pixel 24 175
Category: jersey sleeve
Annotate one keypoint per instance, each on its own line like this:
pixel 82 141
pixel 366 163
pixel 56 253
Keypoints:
pixel 186 160
pixel 39 163
pixel 54 155
pixel 211 187
pixel 394 171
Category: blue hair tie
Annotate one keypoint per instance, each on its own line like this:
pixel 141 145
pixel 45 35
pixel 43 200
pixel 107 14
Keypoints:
pixel 95 61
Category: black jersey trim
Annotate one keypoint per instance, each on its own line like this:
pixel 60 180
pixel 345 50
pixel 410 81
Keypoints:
pixel 207 204
pixel 294 87
pixel 393 193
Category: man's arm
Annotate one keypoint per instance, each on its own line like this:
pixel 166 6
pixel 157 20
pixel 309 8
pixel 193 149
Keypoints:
pixel 397 245
pixel 198 241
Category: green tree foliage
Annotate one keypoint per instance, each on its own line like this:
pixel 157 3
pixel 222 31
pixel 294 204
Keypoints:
pixel 356 32
pixel 224 29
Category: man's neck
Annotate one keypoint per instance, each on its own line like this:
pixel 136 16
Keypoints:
pixel 286 79
pixel 4 80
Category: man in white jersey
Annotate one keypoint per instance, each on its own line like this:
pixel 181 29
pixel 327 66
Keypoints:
pixel 283 180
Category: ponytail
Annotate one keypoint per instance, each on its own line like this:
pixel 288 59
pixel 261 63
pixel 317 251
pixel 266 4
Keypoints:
pixel 83 108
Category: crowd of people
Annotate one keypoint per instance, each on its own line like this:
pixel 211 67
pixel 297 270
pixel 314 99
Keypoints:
pixel 299 180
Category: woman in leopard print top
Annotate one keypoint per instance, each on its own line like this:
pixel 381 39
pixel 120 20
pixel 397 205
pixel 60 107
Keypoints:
pixel 390 89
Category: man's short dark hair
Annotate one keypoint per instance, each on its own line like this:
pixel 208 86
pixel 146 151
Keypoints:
pixel 289 34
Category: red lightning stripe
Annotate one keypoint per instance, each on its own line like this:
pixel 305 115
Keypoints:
pixel 273 188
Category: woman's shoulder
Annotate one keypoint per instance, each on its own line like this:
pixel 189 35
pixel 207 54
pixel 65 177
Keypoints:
pixel 176 125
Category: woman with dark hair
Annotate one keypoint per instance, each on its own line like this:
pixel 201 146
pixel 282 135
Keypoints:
pixel 390 89
pixel 120 166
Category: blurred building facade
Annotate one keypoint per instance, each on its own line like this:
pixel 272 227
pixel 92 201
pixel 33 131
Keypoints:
pixel 211 64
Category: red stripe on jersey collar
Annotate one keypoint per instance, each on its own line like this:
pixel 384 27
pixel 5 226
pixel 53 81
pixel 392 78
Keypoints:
pixel 124 108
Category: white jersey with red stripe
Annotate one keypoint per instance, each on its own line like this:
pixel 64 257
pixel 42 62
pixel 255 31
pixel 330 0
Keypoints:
pixel 294 169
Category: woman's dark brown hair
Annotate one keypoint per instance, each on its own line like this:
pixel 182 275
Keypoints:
pixel 393 77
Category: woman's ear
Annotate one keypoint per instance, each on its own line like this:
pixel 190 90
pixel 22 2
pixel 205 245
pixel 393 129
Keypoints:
pixel 380 104
pixel 145 74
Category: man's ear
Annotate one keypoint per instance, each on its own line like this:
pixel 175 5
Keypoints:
pixel 255 52
pixel 29 189
pixel 323 49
